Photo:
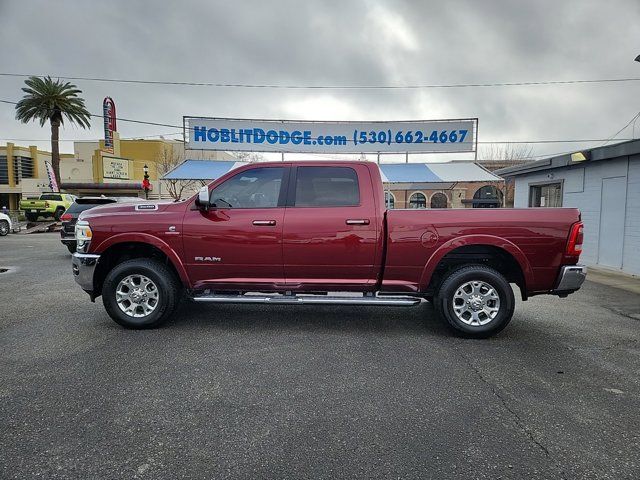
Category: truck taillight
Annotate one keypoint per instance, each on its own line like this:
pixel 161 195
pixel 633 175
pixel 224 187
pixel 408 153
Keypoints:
pixel 46 204
pixel 576 236
pixel 66 217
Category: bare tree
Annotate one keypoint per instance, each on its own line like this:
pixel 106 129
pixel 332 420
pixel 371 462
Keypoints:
pixel 251 157
pixel 507 154
pixel 497 156
pixel 168 159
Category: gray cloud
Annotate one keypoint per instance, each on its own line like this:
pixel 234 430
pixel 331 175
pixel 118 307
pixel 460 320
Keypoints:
pixel 334 42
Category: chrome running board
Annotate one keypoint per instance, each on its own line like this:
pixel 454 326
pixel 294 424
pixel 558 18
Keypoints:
pixel 308 299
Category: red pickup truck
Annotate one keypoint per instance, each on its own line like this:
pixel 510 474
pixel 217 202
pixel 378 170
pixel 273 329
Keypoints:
pixel 319 233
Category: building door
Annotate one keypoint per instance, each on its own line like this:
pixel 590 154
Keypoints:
pixel 612 214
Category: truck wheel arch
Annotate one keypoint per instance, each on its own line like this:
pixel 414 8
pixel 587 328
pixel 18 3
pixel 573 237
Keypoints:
pixel 139 245
pixel 485 243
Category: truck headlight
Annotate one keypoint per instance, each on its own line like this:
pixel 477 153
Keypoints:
pixel 83 235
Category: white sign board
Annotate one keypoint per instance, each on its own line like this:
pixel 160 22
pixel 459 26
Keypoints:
pixel 115 168
pixel 428 136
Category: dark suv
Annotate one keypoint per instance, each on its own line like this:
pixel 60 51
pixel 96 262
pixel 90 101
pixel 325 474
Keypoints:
pixel 70 216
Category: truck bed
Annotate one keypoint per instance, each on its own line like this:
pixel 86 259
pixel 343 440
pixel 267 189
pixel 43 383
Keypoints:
pixel 419 239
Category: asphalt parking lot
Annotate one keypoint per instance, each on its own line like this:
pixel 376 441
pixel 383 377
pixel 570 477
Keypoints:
pixel 310 392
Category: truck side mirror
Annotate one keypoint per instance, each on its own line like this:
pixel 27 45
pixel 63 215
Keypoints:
pixel 202 200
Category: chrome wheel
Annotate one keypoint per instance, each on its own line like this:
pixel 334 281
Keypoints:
pixel 4 228
pixel 137 295
pixel 476 303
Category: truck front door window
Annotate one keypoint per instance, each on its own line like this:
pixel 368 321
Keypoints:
pixel 256 188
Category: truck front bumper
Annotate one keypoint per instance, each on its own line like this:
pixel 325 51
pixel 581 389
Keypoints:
pixel 83 266
pixel 570 279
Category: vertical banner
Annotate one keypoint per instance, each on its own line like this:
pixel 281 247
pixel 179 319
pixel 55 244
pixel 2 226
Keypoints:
pixel 109 117
pixel 53 182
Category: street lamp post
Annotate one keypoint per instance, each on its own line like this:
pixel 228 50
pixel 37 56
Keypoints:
pixel 145 182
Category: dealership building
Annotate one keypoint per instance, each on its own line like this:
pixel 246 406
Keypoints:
pixel 92 169
pixel 604 183
pixel 23 171
pixel 456 184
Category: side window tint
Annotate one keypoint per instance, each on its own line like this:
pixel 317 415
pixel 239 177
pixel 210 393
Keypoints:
pixel 327 187
pixel 255 188
pixel 54 198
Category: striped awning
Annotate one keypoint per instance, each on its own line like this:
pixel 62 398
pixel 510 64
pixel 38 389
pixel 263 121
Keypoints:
pixel 391 172
pixel 435 173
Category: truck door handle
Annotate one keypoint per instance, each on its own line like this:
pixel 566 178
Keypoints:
pixel 264 223
pixel 357 221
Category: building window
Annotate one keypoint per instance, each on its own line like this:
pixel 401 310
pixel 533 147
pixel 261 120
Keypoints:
pixel 439 200
pixel 547 195
pixel 4 171
pixel 487 197
pixel 418 200
pixel 24 165
pixel 389 200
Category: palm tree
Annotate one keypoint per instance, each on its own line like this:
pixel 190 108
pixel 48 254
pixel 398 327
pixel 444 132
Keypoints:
pixel 52 100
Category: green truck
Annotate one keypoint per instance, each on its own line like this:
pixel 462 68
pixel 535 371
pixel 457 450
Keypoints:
pixel 47 205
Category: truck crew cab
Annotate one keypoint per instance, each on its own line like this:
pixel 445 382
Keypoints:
pixel 299 232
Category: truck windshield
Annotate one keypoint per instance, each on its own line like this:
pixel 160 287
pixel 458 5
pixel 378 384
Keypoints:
pixel 81 207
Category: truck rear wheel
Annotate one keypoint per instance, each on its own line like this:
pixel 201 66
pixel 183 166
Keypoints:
pixel 140 293
pixel 475 301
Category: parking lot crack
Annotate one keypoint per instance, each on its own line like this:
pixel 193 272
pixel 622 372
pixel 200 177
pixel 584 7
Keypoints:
pixel 620 344
pixel 519 422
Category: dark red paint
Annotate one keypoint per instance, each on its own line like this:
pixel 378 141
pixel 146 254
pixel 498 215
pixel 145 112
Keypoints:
pixel 323 249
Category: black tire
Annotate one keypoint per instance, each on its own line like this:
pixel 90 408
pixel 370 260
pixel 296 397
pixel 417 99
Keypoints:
pixel 71 247
pixel 455 287
pixel 4 228
pixel 168 288
pixel 32 217
pixel 58 213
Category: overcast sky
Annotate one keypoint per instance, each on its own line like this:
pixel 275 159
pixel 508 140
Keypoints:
pixel 333 43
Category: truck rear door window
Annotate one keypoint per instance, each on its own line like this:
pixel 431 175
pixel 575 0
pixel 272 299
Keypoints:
pixel 327 187
pixel 56 198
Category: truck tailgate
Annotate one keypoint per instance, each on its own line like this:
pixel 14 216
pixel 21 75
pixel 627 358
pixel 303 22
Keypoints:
pixel 32 204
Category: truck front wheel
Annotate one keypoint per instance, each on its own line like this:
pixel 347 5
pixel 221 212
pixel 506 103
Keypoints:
pixel 475 301
pixel 140 293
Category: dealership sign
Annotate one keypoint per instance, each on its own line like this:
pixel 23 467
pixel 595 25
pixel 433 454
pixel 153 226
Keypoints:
pixel 117 168
pixel 424 136
pixel 109 117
